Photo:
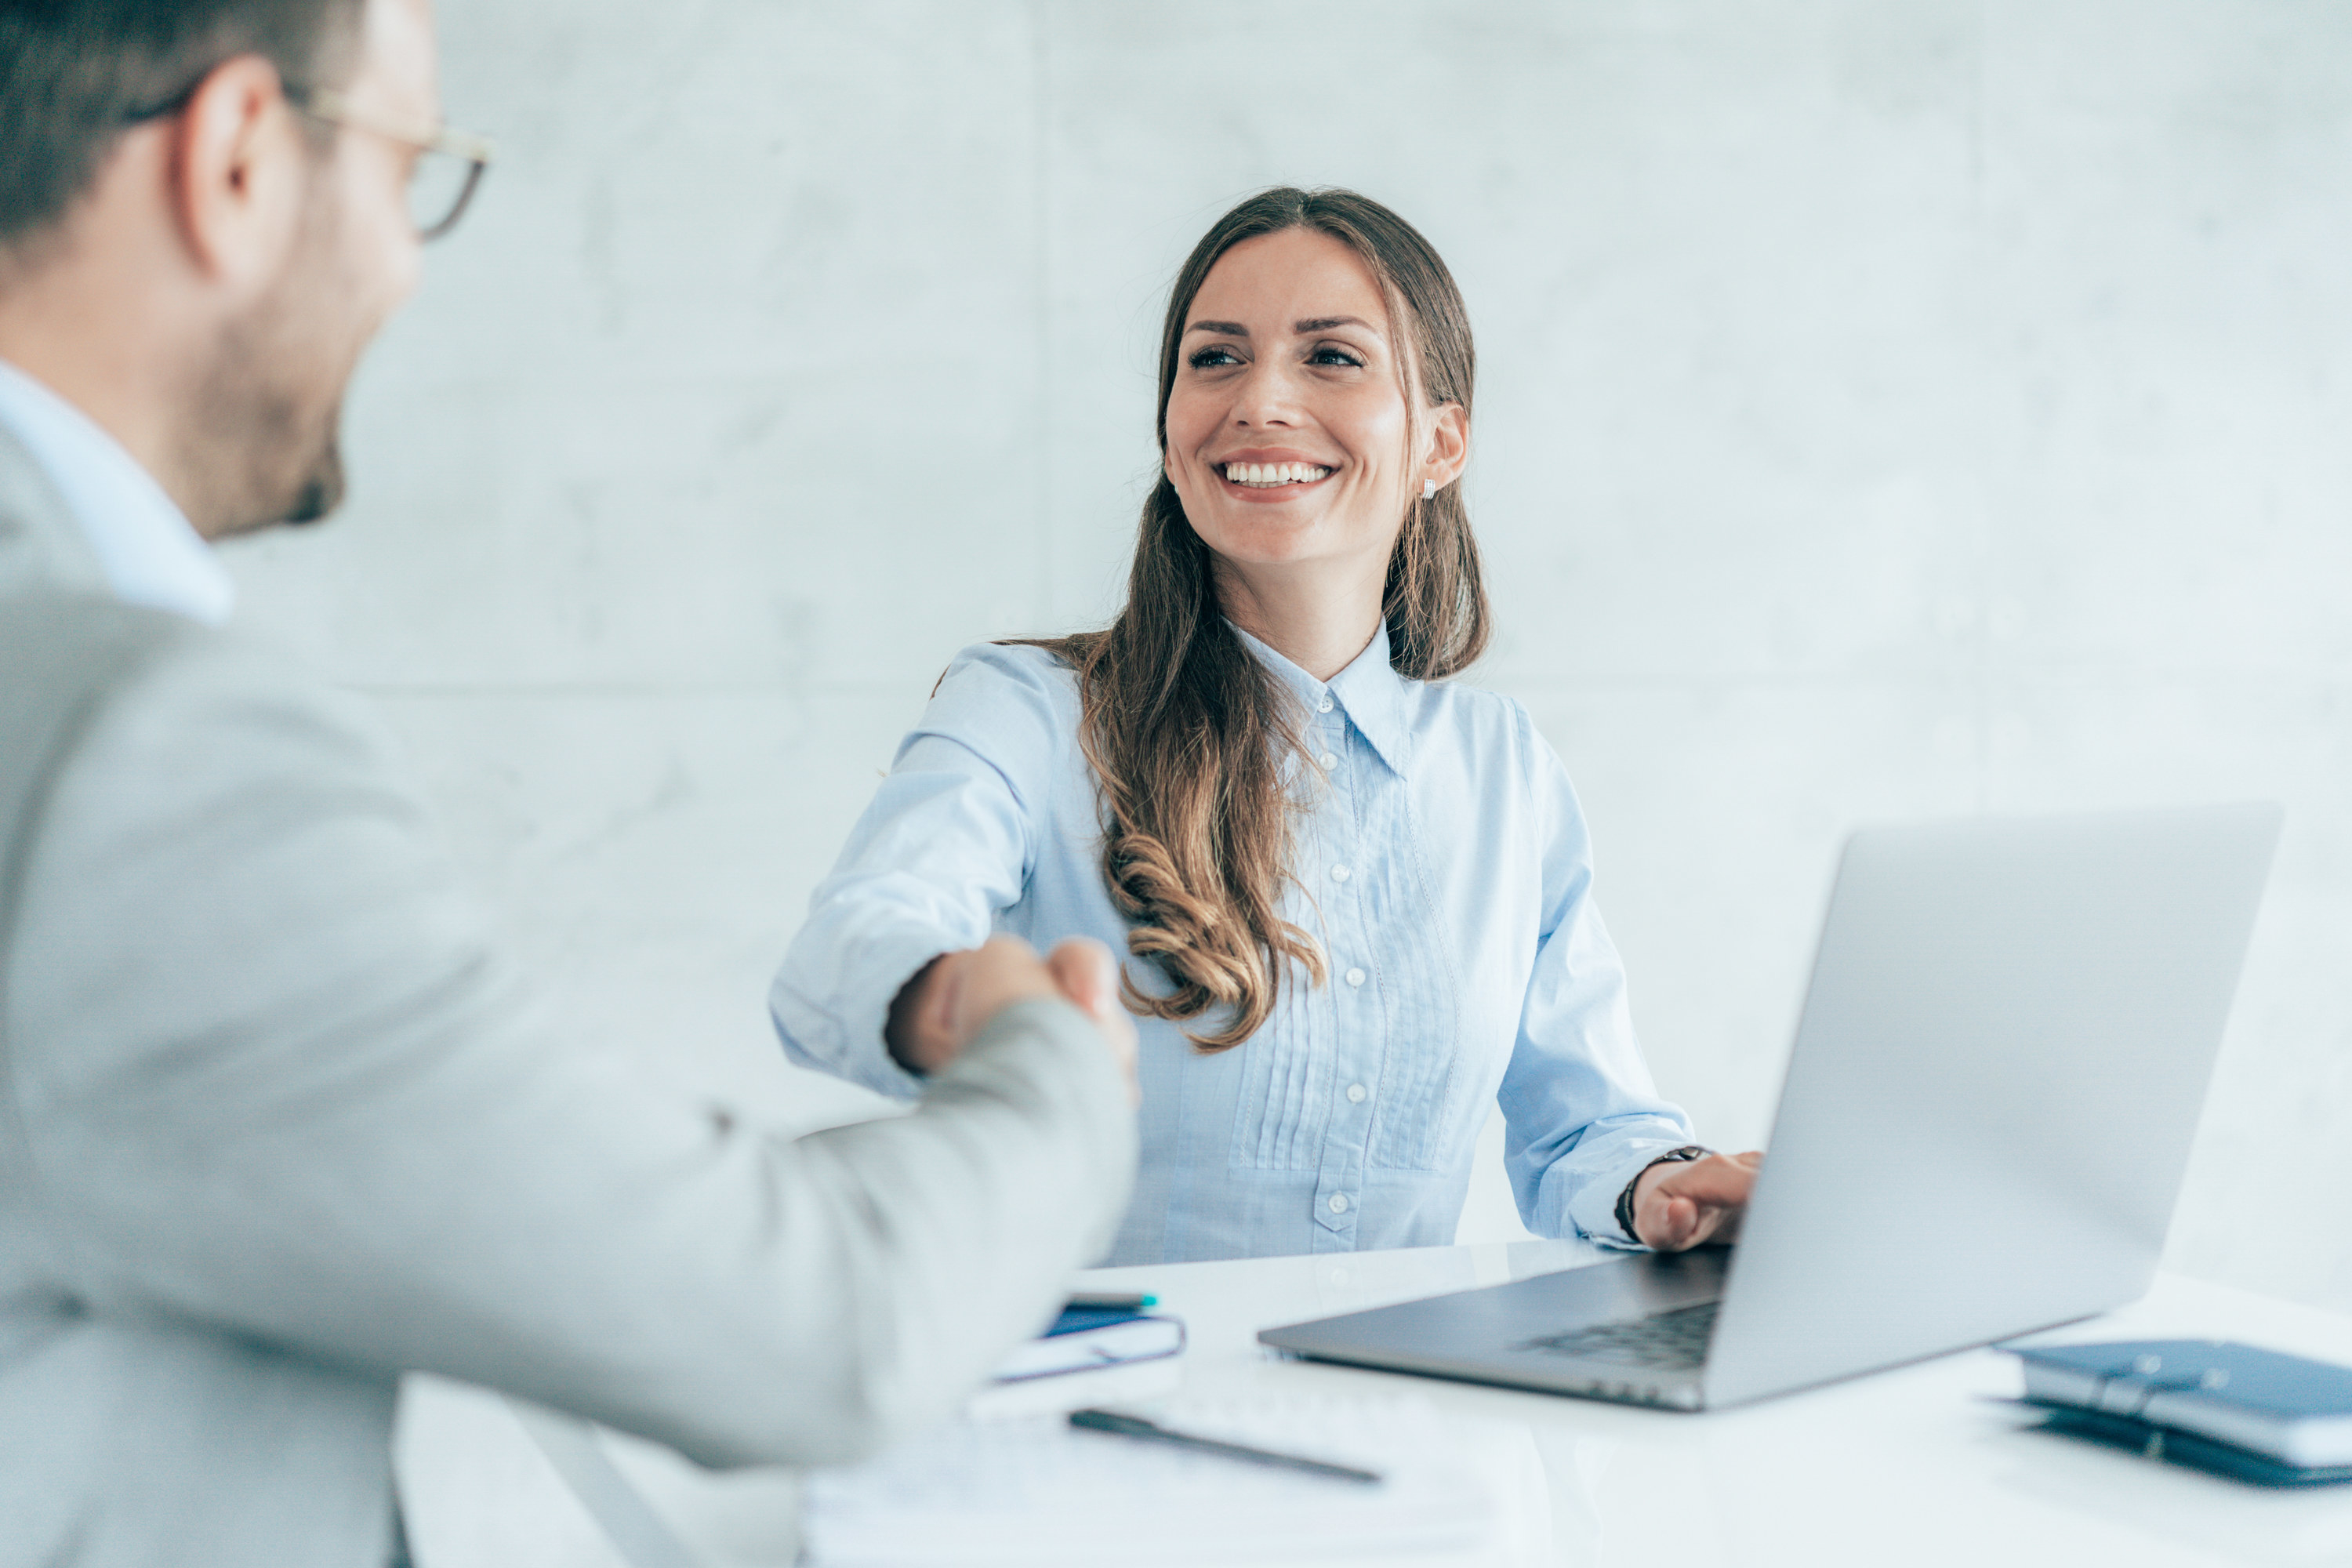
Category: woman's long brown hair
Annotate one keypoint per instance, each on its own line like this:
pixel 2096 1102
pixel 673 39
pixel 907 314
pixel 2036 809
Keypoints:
pixel 1186 732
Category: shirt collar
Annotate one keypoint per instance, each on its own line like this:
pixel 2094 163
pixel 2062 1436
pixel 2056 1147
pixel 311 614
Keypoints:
pixel 1369 691
pixel 146 548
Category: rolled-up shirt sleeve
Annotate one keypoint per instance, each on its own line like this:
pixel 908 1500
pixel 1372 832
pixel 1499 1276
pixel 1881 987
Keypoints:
pixel 947 844
pixel 1582 1115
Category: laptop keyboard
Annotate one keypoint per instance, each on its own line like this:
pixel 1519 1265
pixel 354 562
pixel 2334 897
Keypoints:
pixel 1671 1340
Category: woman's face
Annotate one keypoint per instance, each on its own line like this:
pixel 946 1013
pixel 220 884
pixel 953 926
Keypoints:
pixel 1288 432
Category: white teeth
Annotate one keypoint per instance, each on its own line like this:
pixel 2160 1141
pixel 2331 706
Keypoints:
pixel 1267 476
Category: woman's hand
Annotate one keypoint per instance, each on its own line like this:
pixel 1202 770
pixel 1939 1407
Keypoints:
pixel 1688 1204
pixel 950 999
pixel 916 1028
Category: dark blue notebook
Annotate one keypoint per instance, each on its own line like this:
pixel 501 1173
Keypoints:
pixel 1079 1320
pixel 2287 1419
pixel 2178 1448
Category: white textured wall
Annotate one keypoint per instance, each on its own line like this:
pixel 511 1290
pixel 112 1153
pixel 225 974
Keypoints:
pixel 1888 410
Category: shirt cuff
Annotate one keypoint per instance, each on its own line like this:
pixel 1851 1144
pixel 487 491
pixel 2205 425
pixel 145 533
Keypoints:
pixel 842 1034
pixel 1592 1206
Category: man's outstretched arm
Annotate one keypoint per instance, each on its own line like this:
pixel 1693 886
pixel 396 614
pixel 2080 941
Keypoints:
pixel 278 1080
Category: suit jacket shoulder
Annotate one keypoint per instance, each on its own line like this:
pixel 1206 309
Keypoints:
pixel 218 1425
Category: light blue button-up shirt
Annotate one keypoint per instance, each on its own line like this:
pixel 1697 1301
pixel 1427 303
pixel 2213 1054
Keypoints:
pixel 1442 863
pixel 146 548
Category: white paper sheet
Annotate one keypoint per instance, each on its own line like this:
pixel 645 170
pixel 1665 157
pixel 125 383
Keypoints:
pixel 1035 1492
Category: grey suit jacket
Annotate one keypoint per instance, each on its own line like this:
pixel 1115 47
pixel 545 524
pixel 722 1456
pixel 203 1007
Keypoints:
pixel 277 1125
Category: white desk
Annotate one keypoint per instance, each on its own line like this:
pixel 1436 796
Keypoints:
pixel 1907 1467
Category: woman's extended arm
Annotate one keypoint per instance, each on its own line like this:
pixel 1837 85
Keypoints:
pixel 1582 1117
pixel 946 845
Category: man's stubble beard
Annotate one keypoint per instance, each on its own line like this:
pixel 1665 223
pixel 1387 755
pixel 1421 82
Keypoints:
pixel 265 441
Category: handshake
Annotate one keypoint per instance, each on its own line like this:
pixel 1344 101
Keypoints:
pixel 952 998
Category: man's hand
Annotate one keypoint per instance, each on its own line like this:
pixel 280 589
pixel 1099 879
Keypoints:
pixel 1088 975
pixel 952 998
pixel 1690 1203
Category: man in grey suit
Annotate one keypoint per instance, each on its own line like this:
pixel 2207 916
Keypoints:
pixel 275 1121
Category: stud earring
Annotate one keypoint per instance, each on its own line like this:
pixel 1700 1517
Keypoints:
pixel 1428 489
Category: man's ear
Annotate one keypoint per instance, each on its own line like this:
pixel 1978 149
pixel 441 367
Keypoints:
pixel 238 171
pixel 1448 451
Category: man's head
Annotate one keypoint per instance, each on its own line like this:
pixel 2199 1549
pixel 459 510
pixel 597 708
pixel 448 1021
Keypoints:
pixel 192 249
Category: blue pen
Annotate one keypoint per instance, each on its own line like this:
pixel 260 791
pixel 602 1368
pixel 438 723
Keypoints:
pixel 1109 1301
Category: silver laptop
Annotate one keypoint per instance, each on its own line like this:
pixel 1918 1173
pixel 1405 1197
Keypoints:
pixel 1996 1077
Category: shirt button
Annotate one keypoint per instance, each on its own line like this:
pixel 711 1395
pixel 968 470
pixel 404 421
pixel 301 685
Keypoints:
pixel 1355 977
pixel 1329 761
pixel 1341 873
pixel 1338 1203
pixel 1324 706
pixel 1356 1092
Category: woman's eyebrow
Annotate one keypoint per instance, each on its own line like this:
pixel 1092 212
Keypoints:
pixel 1319 324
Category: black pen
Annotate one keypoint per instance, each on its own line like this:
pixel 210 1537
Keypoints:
pixel 1136 1427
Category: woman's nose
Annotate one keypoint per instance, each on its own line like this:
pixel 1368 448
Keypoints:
pixel 1266 395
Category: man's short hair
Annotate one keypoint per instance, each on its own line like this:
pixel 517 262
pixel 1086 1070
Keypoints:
pixel 74 74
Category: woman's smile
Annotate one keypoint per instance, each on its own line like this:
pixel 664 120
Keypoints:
pixel 1261 477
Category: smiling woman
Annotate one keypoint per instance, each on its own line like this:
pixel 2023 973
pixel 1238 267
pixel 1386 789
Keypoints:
pixel 1355 895
pixel 1298 435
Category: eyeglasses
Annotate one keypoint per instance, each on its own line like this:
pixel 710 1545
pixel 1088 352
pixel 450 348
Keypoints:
pixel 450 162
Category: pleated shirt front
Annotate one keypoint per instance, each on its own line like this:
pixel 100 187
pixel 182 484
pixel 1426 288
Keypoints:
pixel 1440 859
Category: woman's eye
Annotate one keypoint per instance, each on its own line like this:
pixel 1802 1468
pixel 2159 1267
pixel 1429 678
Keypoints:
pixel 1329 354
pixel 1211 358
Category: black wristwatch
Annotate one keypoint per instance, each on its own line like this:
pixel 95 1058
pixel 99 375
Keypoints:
pixel 1683 1155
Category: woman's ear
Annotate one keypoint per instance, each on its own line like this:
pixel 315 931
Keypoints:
pixel 1448 448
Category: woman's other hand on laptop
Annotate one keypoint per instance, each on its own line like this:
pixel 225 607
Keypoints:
pixel 1676 1206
